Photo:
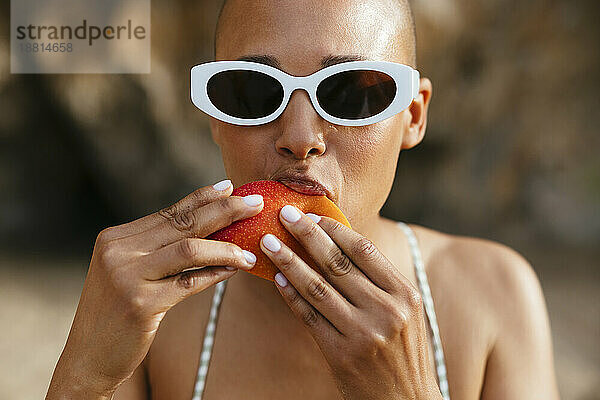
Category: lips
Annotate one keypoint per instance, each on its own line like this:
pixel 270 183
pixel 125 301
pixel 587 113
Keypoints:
pixel 304 184
pixel 305 187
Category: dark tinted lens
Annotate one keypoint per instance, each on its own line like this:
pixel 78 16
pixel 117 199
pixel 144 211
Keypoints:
pixel 245 94
pixel 356 94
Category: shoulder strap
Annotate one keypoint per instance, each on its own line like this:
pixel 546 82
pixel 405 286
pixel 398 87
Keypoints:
pixel 209 337
pixel 429 309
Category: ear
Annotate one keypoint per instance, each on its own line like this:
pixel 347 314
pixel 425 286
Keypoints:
pixel 418 115
pixel 214 131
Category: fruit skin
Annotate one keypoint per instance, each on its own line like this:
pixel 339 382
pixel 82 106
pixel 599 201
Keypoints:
pixel 247 233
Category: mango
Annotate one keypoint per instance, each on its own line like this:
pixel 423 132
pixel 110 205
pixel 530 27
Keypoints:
pixel 247 233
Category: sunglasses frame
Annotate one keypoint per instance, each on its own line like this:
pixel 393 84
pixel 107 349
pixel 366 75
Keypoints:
pixel 405 77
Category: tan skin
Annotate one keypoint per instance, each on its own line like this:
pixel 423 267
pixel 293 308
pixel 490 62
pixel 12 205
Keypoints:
pixel 365 336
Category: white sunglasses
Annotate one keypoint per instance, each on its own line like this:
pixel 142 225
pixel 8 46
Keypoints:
pixel 352 93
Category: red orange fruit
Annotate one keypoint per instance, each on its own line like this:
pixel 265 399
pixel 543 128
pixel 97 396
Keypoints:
pixel 248 232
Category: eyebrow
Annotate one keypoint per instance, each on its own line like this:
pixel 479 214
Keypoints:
pixel 325 61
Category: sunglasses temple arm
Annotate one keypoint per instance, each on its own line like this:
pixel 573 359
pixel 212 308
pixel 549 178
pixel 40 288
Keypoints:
pixel 415 83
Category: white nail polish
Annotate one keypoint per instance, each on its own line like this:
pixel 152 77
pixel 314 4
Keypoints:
pixel 249 256
pixel 271 243
pixel 230 268
pixel 281 280
pixel 253 200
pixel 316 218
pixel 223 185
pixel 290 213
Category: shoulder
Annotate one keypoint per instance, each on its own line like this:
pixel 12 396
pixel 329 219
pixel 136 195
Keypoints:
pixel 486 274
pixel 494 267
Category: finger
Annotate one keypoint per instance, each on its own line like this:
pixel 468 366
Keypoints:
pixel 197 198
pixel 199 222
pixel 330 305
pixel 325 334
pixel 335 266
pixel 181 286
pixel 192 253
pixel 364 255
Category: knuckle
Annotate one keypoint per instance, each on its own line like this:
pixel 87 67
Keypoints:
pixel 367 341
pixel 389 303
pixel 182 220
pixel 375 343
pixel 397 318
pixel 227 206
pixel 227 210
pixel 188 249
pixel 394 320
pixel 366 247
pixel 136 307
pixel 169 212
pixel 295 300
pixel 338 264
pixel 414 300
pixel 317 289
pixel 186 280
pixel 373 340
pixel 109 254
pixel 397 323
pixel 200 196
pixel 309 317
pixel 137 304
pixel 287 261
pixel 233 252
pixel 401 320
pixel 335 228
pixel 309 230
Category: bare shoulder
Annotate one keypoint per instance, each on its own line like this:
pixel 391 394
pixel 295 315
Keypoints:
pixel 494 268
pixel 486 275
pixel 489 300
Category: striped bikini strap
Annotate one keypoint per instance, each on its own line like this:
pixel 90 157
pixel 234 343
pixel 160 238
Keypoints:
pixel 429 309
pixel 209 338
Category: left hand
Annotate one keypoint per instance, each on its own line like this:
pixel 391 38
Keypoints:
pixel 365 316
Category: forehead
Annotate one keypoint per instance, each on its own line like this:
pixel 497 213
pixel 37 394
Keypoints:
pixel 300 33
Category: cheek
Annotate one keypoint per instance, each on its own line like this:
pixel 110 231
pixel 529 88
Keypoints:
pixel 368 160
pixel 373 149
pixel 243 153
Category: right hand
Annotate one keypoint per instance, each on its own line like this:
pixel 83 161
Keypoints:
pixel 138 271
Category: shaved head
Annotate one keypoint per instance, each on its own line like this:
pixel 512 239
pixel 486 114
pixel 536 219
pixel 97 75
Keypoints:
pixel 402 16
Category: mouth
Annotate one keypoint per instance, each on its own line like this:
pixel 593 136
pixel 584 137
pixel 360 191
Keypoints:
pixel 305 185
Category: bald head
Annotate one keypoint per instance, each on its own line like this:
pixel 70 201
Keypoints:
pixel 397 13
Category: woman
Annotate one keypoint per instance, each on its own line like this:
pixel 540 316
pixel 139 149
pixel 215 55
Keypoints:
pixel 365 328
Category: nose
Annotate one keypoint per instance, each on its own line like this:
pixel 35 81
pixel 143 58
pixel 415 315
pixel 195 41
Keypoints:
pixel 301 129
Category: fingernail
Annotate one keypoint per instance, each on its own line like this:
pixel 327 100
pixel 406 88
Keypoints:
pixel 271 243
pixel 290 213
pixel 223 185
pixel 230 268
pixel 253 200
pixel 250 257
pixel 316 218
pixel 281 280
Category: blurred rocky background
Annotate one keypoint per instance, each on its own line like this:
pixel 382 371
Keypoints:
pixel 511 154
